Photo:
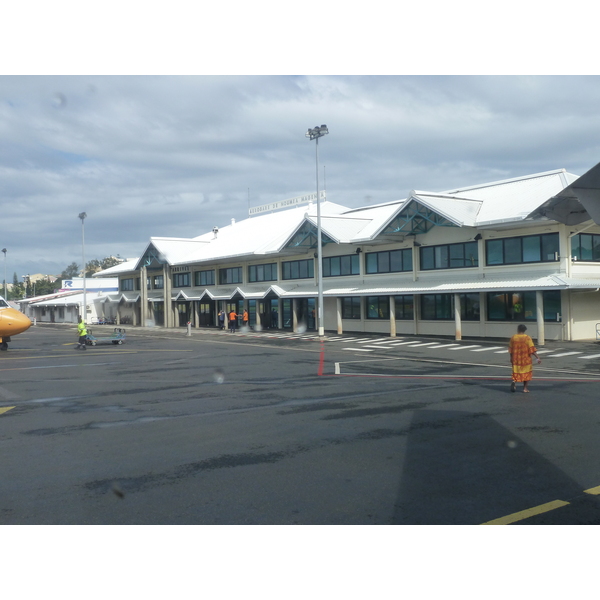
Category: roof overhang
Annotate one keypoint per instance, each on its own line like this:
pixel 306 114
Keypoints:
pixel 575 204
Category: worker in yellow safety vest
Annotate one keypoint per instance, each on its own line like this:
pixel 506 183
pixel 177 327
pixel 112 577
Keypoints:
pixel 82 332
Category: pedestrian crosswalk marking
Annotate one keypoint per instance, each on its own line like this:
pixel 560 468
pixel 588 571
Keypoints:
pixel 564 354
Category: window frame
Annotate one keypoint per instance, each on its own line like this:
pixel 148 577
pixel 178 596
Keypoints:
pixel 543 240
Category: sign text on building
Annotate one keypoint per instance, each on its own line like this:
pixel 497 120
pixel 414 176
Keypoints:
pixel 286 203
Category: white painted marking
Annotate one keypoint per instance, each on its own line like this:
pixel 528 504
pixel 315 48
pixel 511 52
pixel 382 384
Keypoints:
pixel 406 343
pixel 488 349
pixel 545 351
pixel 357 349
pixel 466 347
pixel 372 341
pixel 564 354
pixel 444 346
pixel 590 356
pixel 418 345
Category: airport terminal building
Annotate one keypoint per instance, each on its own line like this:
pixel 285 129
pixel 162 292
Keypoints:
pixel 472 261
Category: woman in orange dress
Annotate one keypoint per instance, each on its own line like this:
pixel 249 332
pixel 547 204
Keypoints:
pixel 521 350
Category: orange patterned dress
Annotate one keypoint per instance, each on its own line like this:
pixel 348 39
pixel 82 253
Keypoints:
pixel 521 348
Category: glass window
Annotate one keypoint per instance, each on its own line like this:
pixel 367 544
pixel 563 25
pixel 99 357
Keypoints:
pixel 427 260
pixel 549 247
pixel 521 306
pixel 371 262
pixel 127 285
pixel 494 252
pixel 383 262
pixel 378 307
pixel 298 269
pixel 512 250
pixel 388 261
pixel 469 307
pixel 350 308
pixel 531 249
pixel 267 272
pixel 441 257
pixel 527 249
pixel 232 275
pixel 449 256
pixel 181 280
pixel 405 307
pixel 457 255
pixel 202 278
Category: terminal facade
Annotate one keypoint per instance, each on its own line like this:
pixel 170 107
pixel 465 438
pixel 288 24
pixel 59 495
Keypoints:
pixel 473 261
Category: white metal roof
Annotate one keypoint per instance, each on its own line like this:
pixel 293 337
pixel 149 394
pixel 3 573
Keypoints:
pixel 506 201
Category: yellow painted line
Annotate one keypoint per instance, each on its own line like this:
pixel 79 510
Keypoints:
pixel 530 512
pixel 595 490
pixel 6 409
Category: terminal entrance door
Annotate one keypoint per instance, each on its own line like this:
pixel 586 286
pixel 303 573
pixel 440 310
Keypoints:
pixel 183 311
pixel 206 313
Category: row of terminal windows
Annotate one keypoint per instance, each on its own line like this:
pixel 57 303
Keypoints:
pixel 501 306
pixel 504 251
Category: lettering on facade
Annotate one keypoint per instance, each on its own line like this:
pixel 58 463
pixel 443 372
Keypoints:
pixel 286 203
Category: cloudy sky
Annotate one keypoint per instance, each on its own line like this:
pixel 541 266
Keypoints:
pixel 174 155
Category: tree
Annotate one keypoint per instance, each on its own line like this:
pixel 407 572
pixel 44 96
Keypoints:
pixel 18 289
pixel 71 271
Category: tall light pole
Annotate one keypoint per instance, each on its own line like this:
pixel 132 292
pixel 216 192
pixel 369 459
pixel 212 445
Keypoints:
pixel 5 287
pixel 315 134
pixel 82 216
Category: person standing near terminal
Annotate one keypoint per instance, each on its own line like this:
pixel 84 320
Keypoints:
pixel 82 333
pixel 232 316
pixel 222 319
pixel 521 349
pixel 245 318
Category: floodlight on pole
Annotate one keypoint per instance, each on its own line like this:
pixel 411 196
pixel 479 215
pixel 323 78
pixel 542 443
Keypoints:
pixel 315 134
pixel 5 286
pixel 82 216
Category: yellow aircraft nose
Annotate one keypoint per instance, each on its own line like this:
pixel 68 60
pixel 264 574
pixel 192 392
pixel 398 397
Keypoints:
pixel 13 322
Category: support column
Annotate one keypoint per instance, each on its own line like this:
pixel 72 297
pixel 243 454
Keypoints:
pixel 457 321
pixel 539 308
pixel 340 323
pixel 167 296
pixel 280 313
pixel 294 315
pixel 392 316
pixel 143 296
pixel 196 311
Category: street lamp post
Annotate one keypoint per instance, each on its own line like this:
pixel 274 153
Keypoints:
pixel 5 286
pixel 315 134
pixel 82 216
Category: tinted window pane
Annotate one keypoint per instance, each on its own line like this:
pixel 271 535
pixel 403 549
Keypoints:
pixel 441 257
pixel 428 306
pixel 427 258
pixel 471 254
pixel 596 247
pixel 407 260
pixel 512 250
pixel 383 262
pixel 549 246
pixel 345 265
pixel 335 266
pixel 396 260
pixel 497 306
pixel 586 246
pixel 494 252
pixel 457 255
pixel 552 307
pixel 371 264
pixel 531 249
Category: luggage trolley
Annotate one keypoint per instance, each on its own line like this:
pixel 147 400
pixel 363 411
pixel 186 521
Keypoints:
pixel 117 337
